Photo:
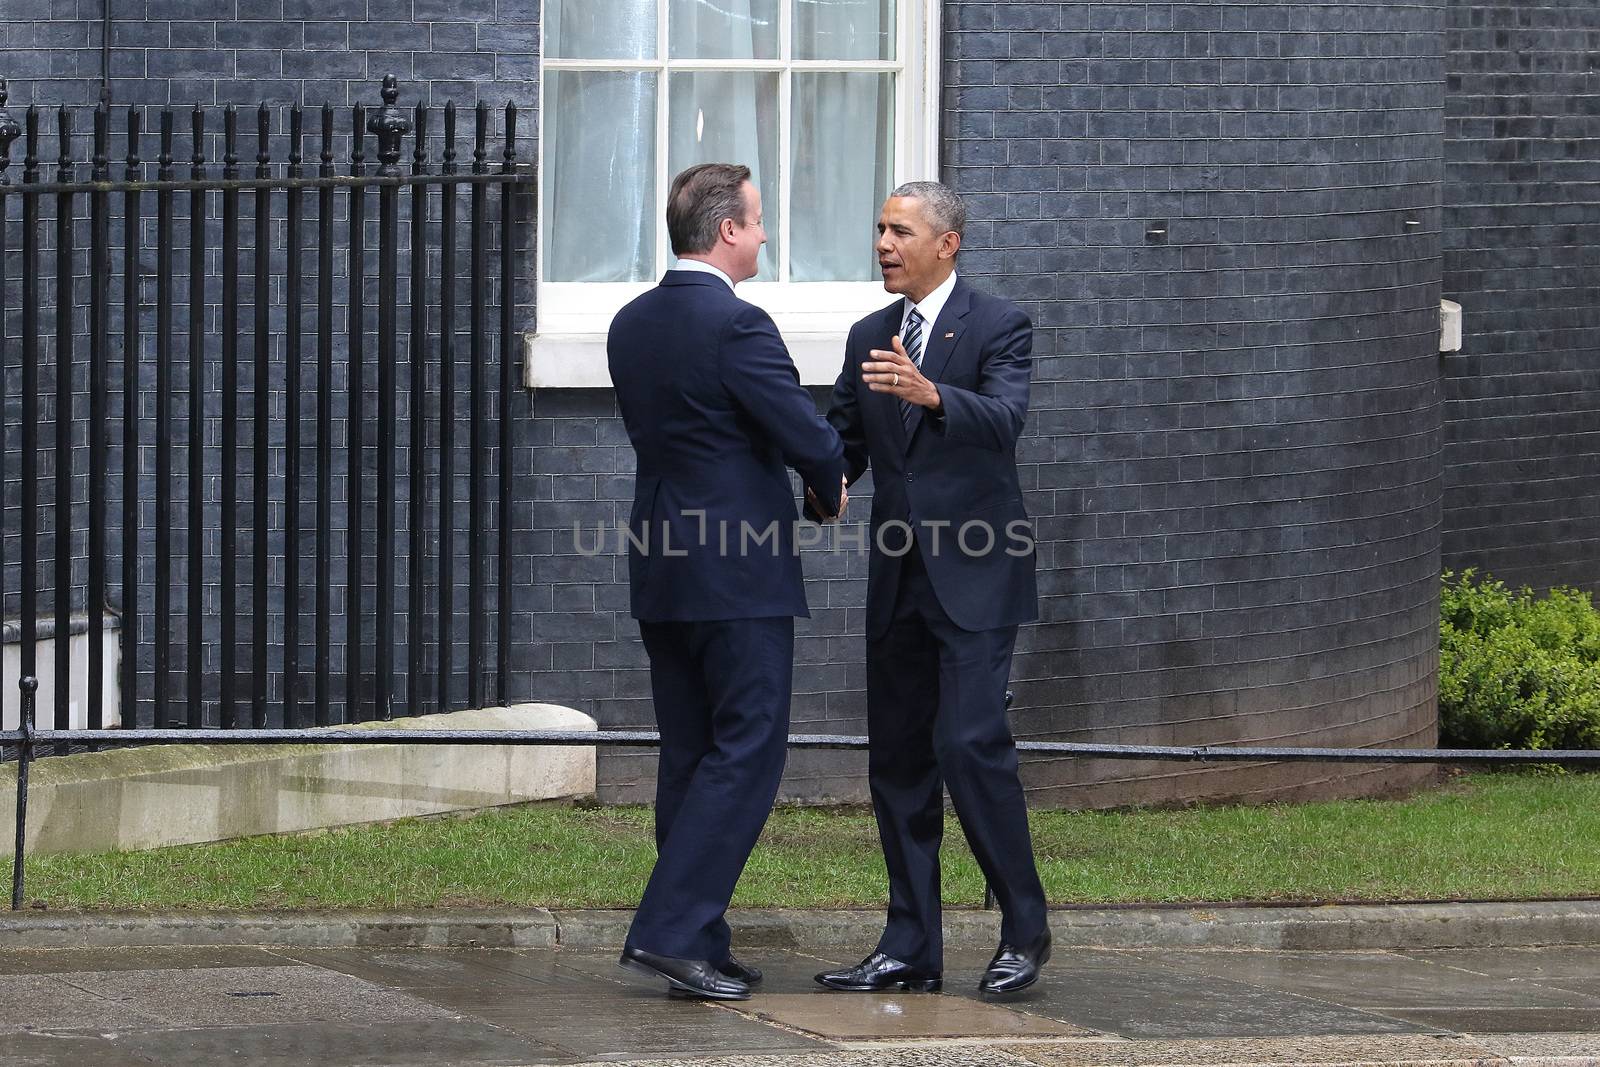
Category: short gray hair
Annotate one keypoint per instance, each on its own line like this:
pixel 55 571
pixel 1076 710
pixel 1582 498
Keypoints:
pixel 944 208
pixel 700 198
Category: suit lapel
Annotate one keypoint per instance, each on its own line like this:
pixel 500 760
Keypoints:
pixel 888 404
pixel 937 346
pixel 952 322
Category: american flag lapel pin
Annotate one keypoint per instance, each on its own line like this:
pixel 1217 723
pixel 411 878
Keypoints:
pixel 949 335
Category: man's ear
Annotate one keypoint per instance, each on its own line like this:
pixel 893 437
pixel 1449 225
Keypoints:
pixel 949 244
pixel 726 230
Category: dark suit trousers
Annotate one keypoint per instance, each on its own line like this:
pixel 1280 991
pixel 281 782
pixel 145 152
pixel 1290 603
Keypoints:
pixel 935 718
pixel 722 704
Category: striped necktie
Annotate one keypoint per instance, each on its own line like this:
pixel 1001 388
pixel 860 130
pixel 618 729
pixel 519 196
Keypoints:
pixel 911 338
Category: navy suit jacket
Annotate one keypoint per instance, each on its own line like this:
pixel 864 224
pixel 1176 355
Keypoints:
pixel 715 410
pixel 944 472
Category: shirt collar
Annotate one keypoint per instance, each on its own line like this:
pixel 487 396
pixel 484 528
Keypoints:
pixel 704 268
pixel 931 304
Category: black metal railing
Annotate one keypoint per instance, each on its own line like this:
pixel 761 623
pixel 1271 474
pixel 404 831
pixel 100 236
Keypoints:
pixel 28 740
pixel 260 295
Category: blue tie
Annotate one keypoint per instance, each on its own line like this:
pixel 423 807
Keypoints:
pixel 911 338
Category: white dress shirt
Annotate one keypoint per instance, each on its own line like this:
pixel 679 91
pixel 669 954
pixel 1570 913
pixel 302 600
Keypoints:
pixel 704 268
pixel 929 309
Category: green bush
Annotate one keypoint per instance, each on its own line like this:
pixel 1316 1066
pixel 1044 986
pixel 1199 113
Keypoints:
pixel 1517 671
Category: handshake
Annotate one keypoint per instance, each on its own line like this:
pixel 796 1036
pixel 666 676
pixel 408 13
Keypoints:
pixel 814 506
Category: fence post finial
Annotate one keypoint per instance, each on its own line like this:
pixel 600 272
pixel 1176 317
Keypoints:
pixel 9 129
pixel 389 124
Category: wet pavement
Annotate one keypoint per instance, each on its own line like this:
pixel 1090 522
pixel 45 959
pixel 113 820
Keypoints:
pixel 406 1007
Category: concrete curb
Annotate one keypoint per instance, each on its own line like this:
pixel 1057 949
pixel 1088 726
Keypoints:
pixel 1310 928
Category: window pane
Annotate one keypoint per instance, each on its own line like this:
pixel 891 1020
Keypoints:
pixel 730 117
pixel 600 29
pixel 723 29
pixel 844 29
pixel 600 176
pixel 842 158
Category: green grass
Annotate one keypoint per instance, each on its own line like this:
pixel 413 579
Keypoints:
pixel 1501 836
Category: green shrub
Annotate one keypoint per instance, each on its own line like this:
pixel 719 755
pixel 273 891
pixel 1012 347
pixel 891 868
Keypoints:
pixel 1517 671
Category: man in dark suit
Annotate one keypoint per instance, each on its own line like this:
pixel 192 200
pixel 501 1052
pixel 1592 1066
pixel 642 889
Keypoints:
pixel 933 395
pixel 715 411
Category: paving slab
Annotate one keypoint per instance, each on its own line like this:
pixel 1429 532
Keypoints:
pixel 231 996
pixel 58 1049
pixel 1502 1020
pixel 852 1017
pixel 918 1056
pixel 416 1044
pixel 1136 996
pixel 492 972
pixel 1529 1046
pixel 1346 1051
pixel 1378 981
pixel 627 1024
pixel 48 1002
pixel 1574 968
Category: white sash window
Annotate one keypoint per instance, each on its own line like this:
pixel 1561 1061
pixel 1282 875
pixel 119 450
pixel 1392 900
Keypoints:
pixel 830 103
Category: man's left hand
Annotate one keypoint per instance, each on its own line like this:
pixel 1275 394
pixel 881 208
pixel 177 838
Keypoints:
pixel 893 372
pixel 844 502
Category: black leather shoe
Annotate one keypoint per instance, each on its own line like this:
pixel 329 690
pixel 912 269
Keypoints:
pixel 879 973
pixel 688 978
pixel 739 972
pixel 1014 969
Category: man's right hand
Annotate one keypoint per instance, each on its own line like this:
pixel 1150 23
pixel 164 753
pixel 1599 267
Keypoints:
pixel 844 501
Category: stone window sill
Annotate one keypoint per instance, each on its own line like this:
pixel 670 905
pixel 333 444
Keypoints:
pixel 578 361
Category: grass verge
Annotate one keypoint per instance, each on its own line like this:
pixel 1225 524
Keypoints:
pixel 1486 836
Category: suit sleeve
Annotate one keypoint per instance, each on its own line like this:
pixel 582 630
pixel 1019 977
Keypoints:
pixel 757 370
pixel 991 415
pixel 844 412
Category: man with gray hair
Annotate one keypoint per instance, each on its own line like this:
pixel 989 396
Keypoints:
pixel 716 413
pixel 932 396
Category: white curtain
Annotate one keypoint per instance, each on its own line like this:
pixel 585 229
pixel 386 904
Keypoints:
pixel 730 117
pixel 841 155
pixel 727 116
pixel 723 29
pixel 600 143
pixel 600 165
pixel 600 29
pixel 844 29
pixel 841 148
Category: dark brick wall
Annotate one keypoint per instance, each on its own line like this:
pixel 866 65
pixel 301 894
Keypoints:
pixel 185 52
pixel 1234 450
pixel 1235 441
pixel 1522 170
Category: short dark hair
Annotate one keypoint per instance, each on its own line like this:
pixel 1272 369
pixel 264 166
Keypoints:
pixel 701 197
pixel 940 203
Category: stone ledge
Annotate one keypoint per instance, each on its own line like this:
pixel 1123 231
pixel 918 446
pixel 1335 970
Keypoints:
pixel 156 796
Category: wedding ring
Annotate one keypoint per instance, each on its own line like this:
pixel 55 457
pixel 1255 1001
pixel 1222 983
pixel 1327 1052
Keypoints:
pixel 897 378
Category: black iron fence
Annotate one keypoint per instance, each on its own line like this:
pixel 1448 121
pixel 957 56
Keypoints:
pixel 257 295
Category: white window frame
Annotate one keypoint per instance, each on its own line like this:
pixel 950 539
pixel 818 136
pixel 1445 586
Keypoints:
pixel 568 347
